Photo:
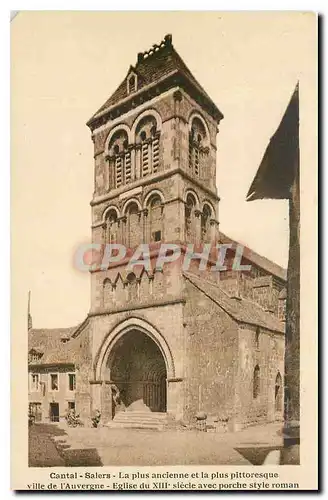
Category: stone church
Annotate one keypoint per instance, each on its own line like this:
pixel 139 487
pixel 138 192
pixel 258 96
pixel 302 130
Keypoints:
pixel 164 345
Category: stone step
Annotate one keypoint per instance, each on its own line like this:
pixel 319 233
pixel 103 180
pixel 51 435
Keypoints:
pixel 139 412
pixel 129 416
pixel 140 420
pixel 135 425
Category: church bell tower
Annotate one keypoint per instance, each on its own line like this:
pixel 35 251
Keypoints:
pixel 154 182
pixel 155 158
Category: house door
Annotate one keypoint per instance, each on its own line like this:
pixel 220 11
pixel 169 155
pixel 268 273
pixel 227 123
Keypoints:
pixel 54 412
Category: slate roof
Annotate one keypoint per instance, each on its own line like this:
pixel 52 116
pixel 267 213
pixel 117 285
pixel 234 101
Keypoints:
pixel 242 310
pixel 155 65
pixel 55 344
pixel 257 259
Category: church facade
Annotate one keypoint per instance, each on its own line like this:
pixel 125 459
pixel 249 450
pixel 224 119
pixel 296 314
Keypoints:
pixel 175 341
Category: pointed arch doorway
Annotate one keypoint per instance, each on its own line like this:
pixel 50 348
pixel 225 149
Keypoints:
pixel 138 373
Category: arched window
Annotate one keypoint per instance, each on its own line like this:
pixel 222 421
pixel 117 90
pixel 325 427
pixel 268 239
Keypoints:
pixel 132 286
pixel 205 223
pixel 107 292
pixel 119 159
pixel 190 221
pixel 111 227
pixel 197 146
pixel 147 137
pixel 256 382
pixel 133 225
pixel 257 339
pixel 132 83
pixel 155 218
pixel 278 393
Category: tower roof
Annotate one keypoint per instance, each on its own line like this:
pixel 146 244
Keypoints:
pixel 159 65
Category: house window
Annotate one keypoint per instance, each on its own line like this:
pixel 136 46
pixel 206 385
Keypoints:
pixel 157 236
pixel 71 382
pixel 256 382
pixel 71 405
pixel 54 381
pixel 35 382
pixel 34 356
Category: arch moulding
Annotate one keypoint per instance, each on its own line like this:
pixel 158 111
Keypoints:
pixel 118 332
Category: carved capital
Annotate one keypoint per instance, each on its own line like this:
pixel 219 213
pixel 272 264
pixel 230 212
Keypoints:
pixel 198 213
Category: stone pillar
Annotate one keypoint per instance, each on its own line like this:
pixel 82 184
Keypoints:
pixel 95 389
pixel 106 402
pixel 174 404
pixel 177 139
pixel 198 229
pixel 138 161
pixel 291 451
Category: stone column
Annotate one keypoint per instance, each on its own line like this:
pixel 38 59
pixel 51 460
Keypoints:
pixel 106 401
pixel 177 139
pixel 291 451
pixel 138 161
pixel 145 224
pixel 198 228
pixel 174 404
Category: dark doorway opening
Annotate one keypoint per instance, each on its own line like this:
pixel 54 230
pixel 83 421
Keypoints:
pixel 54 412
pixel 138 371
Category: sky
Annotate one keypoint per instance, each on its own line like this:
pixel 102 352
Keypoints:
pixel 64 65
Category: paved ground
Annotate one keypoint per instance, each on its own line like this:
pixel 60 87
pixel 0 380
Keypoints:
pixel 104 446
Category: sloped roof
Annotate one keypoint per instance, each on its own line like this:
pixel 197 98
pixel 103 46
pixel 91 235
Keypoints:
pixel 55 344
pixel 280 162
pixel 154 65
pixel 257 259
pixel 240 309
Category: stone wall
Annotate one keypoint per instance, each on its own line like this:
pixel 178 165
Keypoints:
pixel 212 347
pixel 258 347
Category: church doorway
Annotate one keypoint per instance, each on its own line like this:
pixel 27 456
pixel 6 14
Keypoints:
pixel 138 374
